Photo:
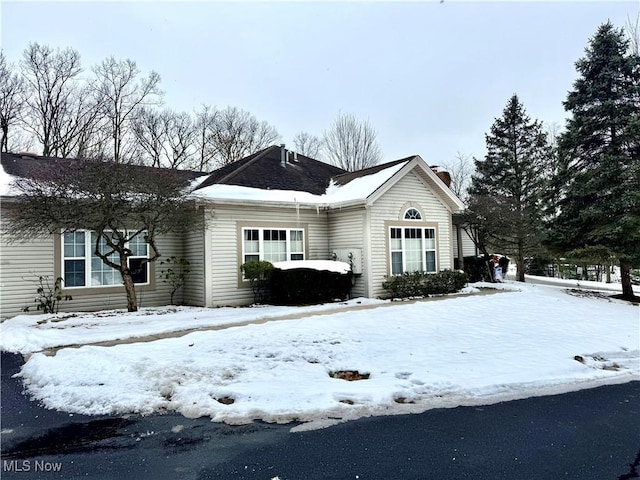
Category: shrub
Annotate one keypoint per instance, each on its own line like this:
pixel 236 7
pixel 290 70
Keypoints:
pixel 405 285
pixel 49 296
pixel 419 284
pixel 175 273
pixel 306 286
pixel 258 272
pixel 447 281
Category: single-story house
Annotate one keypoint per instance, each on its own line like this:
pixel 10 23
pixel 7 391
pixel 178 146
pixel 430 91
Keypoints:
pixel 274 205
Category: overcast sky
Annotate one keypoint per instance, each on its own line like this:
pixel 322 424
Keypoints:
pixel 430 76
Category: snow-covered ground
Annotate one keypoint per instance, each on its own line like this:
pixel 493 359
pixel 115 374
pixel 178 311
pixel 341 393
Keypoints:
pixel 33 333
pixel 462 350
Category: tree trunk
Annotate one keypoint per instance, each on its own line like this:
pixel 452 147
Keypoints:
pixel 625 274
pixel 130 289
pixel 129 286
pixel 519 269
pixel 488 264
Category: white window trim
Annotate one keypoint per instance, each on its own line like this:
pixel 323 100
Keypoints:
pixel 261 249
pixel 88 251
pixel 416 219
pixel 403 246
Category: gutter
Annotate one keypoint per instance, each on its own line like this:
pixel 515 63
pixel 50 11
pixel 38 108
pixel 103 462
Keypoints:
pixel 282 204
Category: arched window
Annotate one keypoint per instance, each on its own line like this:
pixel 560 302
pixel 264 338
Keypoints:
pixel 412 214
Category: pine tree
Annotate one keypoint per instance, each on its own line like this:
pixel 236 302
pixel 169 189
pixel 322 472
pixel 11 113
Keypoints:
pixel 513 176
pixel 599 163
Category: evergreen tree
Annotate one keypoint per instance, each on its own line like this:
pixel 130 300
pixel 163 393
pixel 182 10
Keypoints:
pixel 598 177
pixel 513 175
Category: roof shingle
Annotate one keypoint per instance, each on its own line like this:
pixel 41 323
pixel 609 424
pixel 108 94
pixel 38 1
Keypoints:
pixel 264 170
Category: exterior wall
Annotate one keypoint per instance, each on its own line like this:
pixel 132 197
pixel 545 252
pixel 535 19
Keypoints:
pixel 346 230
pixel 462 243
pixel 224 243
pixel 468 247
pixel 410 191
pixel 21 263
pixel 193 291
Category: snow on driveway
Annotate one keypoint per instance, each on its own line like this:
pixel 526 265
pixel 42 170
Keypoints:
pixel 457 351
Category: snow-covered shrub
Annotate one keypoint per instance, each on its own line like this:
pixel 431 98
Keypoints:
pixel 308 286
pixel 419 284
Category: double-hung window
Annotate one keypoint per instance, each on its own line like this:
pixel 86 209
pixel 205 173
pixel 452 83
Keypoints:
pixel 272 244
pixel 82 268
pixel 412 249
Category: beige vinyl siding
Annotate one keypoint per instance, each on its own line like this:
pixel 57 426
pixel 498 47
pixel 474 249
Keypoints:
pixel 222 226
pixel 193 292
pixel 468 248
pixel 21 263
pixel 346 230
pixel 157 293
pixel 408 191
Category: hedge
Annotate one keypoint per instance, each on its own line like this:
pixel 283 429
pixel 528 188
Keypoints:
pixel 419 284
pixel 306 286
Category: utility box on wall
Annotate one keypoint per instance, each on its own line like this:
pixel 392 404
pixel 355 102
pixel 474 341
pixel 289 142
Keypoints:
pixel 352 256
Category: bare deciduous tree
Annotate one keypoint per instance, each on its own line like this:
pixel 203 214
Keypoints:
pixel 121 203
pixel 180 137
pixel 11 100
pixel 236 133
pixel 166 138
pixel 205 151
pixel 50 79
pixel 307 144
pixel 632 32
pixel 149 132
pixel 78 126
pixel 461 169
pixel 351 143
pixel 122 91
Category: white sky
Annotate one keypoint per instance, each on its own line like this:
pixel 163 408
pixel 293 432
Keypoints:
pixel 430 77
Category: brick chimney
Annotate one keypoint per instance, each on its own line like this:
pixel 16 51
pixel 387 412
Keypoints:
pixel 442 175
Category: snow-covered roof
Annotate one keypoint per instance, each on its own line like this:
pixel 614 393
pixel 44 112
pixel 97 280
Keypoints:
pixel 6 183
pixel 350 188
pixel 357 190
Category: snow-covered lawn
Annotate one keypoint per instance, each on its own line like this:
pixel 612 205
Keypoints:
pixel 457 351
pixel 33 333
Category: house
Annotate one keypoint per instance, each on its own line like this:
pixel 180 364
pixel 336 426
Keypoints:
pixel 274 205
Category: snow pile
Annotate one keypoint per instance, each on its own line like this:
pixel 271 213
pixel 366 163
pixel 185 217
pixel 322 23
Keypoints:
pixel 457 351
pixel 329 265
